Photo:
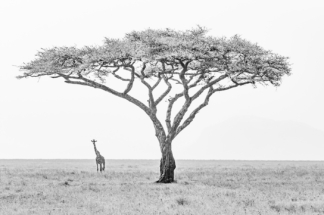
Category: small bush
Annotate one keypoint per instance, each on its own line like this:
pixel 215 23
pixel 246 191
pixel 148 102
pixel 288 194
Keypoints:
pixel 182 201
pixel 275 208
pixel 66 183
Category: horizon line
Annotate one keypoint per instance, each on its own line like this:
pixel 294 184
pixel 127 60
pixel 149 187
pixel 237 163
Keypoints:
pixel 238 160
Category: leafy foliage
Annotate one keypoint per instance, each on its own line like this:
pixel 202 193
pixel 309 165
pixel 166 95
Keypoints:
pixel 165 52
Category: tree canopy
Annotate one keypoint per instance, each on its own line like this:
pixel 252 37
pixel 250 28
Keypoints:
pixel 165 52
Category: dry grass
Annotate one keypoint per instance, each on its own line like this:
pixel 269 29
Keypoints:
pixel 126 187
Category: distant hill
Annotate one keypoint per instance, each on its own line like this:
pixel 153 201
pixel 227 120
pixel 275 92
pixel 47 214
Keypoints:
pixel 252 138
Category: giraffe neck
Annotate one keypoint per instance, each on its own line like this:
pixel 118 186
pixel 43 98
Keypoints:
pixel 96 151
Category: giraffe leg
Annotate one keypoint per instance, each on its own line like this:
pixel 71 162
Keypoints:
pixel 100 167
pixel 104 165
pixel 97 167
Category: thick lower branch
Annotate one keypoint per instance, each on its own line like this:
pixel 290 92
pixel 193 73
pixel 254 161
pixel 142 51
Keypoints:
pixel 205 103
pixel 169 110
pixel 178 118
pixel 194 112
pixel 87 82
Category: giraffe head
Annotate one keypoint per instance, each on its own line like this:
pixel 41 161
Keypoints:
pixel 94 141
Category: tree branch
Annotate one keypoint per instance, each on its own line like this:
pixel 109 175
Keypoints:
pixel 211 91
pixel 232 86
pixel 197 94
pixel 119 77
pixel 166 92
pixel 194 112
pixel 131 81
pixel 178 118
pixel 169 110
pixel 156 83
pixel 151 102
pixel 184 80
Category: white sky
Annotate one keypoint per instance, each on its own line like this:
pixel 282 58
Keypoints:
pixel 45 118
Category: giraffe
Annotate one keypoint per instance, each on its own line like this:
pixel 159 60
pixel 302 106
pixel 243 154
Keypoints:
pixel 100 160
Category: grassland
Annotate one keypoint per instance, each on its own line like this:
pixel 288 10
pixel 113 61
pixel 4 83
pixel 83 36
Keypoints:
pixel 127 187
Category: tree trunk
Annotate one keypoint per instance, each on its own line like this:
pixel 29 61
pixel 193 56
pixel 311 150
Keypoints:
pixel 167 164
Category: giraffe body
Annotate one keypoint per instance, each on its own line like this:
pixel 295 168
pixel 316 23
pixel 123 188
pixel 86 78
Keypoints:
pixel 100 160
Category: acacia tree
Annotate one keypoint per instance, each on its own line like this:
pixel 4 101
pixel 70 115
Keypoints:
pixel 201 65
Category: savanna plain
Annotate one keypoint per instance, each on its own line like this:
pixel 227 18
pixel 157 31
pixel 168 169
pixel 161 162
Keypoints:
pixel 127 187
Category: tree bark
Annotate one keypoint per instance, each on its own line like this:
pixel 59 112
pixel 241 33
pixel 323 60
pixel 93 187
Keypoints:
pixel 167 164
